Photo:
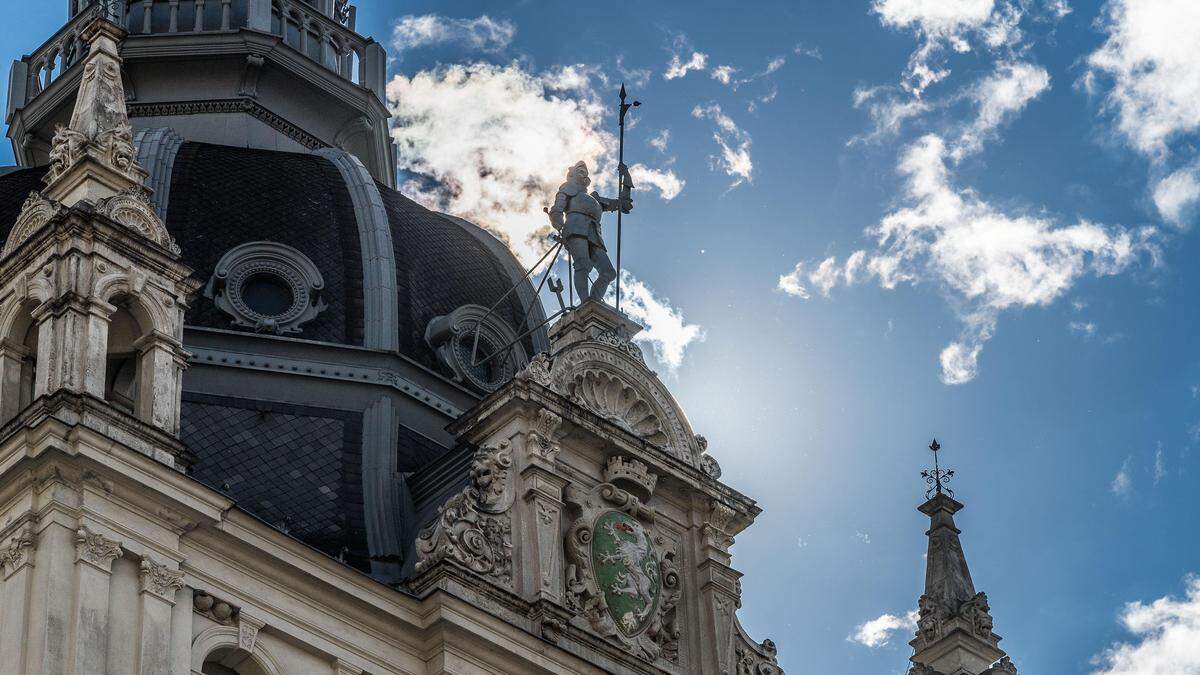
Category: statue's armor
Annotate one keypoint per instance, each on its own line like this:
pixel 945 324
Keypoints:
pixel 582 213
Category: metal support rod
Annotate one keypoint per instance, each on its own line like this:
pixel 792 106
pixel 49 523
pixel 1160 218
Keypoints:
pixel 624 109
pixel 522 336
pixel 479 323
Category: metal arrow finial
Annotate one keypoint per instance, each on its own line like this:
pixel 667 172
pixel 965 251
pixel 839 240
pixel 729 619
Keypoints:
pixel 938 477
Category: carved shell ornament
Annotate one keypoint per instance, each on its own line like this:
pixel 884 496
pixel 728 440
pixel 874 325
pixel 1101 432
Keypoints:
pixel 36 212
pixel 133 209
pixel 608 396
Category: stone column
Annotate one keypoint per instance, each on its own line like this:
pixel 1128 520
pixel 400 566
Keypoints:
pixel 160 369
pixel 542 492
pixel 93 567
pixel 52 613
pixel 719 584
pixel 96 349
pixel 158 589
pixel 17 559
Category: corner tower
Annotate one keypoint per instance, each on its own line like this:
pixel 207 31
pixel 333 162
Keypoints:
pixel 954 632
pixel 290 75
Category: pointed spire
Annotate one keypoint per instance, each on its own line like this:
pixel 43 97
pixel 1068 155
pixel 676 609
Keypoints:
pixel 93 157
pixel 954 631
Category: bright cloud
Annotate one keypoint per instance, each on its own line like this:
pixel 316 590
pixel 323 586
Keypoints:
pixel 661 140
pixel 680 63
pixel 940 24
pixel 492 143
pixel 988 259
pixel 1167 637
pixel 999 98
pixel 1150 58
pixel 1177 197
pixel 481 33
pixel 667 332
pixel 878 632
pixel 724 74
pixel 734 142
pixel 665 181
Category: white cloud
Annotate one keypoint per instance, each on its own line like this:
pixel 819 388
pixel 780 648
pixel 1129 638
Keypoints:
pixel 863 537
pixel 724 74
pixel 492 143
pixel 1160 464
pixel 1177 197
pixel 1058 8
pixel 661 140
pixel 680 64
pixel 481 33
pixel 1150 58
pixel 792 283
pixel 888 111
pixel 878 632
pixel 1167 637
pixel 1122 483
pixel 636 77
pixel 989 260
pixel 941 24
pixel 999 98
pixel 935 17
pixel 665 181
pixel 667 332
pixel 735 157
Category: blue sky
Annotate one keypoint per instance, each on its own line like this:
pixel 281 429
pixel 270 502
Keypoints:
pixel 867 224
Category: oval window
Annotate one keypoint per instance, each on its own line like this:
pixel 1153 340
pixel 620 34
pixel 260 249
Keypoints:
pixel 267 294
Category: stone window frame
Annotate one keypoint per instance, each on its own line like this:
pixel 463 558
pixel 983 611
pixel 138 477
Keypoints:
pixel 448 333
pixel 288 265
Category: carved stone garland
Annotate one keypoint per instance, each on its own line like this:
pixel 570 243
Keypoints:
pixel 474 528
pixel 618 584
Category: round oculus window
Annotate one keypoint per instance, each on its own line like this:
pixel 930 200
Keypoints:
pixel 267 294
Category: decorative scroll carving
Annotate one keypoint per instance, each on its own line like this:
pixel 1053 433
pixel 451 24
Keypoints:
pixel 538 370
pixel 133 209
pixel 36 212
pixel 248 628
pixel 96 549
pixel 19 552
pixel 608 396
pixel 716 525
pixel 621 344
pixel 755 658
pixel 622 583
pixel 160 580
pixel 473 528
pixel 545 435
pixel 708 464
pixel 922 669
pixel 476 346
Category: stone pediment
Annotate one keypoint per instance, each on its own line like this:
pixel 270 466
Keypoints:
pixel 597 366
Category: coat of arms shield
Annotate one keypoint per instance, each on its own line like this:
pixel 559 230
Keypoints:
pixel 626 570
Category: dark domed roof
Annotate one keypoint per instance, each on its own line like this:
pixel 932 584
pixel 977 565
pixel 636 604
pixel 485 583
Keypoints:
pixel 222 196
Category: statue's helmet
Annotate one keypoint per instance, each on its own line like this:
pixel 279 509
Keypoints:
pixel 578 170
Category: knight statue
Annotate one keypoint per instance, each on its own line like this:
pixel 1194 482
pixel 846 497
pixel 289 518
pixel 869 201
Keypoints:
pixel 576 215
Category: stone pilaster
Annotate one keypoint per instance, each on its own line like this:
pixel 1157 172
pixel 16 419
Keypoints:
pixel 159 585
pixel 94 556
pixel 17 593
pixel 542 492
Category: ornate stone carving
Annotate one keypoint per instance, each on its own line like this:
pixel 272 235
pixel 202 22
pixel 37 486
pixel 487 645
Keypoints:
pixel 545 435
pixel 611 398
pixel 710 466
pixel 921 669
pixel 288 270
pixel 631 475
pixel 96 549
pixel 936 619
pixel 133 209
pixel 668 428
pixel 248 628
pixel 757 660
pixel 19 552
pixel 538 370
pixel 622 583
pixel 716 525
pixel 1004 666
pixel 473 528
pixel 160 580
pixel 214 608
pixel 36 212
pixel 621 344
pixel 66 148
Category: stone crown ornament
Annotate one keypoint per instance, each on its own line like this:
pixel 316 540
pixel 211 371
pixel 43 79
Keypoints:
pixel 631 475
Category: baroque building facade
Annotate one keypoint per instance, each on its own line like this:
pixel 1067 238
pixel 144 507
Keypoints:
pixel 246 428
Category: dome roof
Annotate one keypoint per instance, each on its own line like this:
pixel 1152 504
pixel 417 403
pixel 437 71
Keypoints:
pixel 221 197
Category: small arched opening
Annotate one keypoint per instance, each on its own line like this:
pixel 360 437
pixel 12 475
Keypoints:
pixel 231 661
pixel 18 362
pixel 123 360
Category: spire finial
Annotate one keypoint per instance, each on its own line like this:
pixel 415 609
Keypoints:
pixel 938 477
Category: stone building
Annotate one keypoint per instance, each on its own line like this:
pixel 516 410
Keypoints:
pixel 245 425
